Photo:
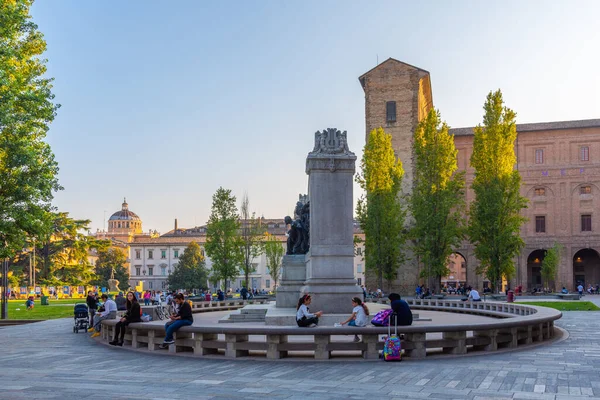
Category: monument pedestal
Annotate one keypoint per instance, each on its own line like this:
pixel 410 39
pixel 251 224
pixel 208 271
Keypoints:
pixel 293 276
pixel 330 260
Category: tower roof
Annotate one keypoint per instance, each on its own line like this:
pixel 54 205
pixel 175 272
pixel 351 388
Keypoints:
pixel 389 60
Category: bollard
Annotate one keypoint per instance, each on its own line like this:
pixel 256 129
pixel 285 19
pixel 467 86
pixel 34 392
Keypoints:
pixel 510 296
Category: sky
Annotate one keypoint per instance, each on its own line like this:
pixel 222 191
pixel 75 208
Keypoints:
pixel 165 102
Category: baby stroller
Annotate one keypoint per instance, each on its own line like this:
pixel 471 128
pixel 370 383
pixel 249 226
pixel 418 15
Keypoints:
pixel 81 317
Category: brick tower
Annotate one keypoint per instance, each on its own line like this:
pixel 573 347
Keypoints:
pixel 397 97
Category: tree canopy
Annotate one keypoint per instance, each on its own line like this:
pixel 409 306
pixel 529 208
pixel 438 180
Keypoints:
pixel 495 220
pixel 28 170
pixel 190 272
pixel 109 259
pixel 251 235
pixel 550 265
pixel 437 201
pixel 223 242
pixel 274 252
pixel 379 211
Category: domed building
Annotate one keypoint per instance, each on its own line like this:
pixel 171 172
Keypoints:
pixel 124 223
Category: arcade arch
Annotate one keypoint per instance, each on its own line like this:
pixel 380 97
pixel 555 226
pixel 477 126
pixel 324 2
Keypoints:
pixel 534 269
pixel 586 268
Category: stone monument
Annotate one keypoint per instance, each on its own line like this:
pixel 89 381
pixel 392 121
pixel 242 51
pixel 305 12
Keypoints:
pixel 113 284
pixel 330 259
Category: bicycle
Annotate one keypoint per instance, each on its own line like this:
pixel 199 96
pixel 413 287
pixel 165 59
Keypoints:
pixel 162 312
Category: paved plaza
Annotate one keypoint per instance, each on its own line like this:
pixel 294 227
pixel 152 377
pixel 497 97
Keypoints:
pixel 46 360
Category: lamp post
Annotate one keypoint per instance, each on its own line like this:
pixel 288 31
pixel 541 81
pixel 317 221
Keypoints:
pixel 5 289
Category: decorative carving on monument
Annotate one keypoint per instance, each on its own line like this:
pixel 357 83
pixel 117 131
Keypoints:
pixel 331 141
pixel 298 241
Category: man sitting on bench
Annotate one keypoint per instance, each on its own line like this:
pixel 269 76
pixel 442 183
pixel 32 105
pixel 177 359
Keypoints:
pixel 183 317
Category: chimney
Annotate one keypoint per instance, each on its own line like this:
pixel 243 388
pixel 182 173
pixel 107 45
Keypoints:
pixel 175 224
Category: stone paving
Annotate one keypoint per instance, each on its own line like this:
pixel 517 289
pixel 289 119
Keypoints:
pixel 46 360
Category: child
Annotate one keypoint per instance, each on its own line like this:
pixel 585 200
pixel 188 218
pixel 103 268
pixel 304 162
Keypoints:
pixel 30 303
pixel 303 317
pixel 359 315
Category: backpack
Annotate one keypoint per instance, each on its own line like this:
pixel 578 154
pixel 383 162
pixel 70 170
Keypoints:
pixel 392 348
pixel 382 318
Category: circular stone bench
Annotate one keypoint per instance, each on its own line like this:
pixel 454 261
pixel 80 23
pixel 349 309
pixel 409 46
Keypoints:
pixel 516 325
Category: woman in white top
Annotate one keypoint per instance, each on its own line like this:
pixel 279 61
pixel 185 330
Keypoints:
pixel 303 317
pixel 359 315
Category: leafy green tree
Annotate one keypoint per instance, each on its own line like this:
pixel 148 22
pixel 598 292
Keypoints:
pixel 251 235
pixel 274 252
pixel 28 170
pixel 495 220
pixel 438 197
pixel 223 242
pixel 379 211
pixel 550 265
pixel 190 273
pixel 108 260
pixel 65 252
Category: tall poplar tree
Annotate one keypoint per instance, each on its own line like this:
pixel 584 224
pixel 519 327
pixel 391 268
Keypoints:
pixel 251 234
pixel 223 241
pixel 550 265
pixel 379 211
pixel 28 171
pixel 274 252
pixel 495 219
pixel 438 197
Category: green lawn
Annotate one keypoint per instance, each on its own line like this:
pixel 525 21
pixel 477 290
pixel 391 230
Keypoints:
pixel 565 305
pixel 56 309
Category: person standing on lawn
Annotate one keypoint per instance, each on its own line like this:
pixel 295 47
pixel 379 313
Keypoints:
pixel 183 317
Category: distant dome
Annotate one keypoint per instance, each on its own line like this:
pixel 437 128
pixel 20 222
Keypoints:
pixel 124 214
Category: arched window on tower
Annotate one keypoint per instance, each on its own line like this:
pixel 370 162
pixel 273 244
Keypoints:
pixel 128 224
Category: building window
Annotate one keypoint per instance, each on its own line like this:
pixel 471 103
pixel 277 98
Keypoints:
pixel 163 254
pixel 254 266
pixel 359 268
pixel 540 191
pixel 584 153
pixel 150 285
pixel 150 271
pixel 539 156
pixel 585 190
pixel 163 284
pixel 138 254
pixel 150 254
pixel 359 251
pixel 390 111
pixel 128 224
pixel 540 224
pixel 163 271
pixel 586 223
pixel 175 253
pixel 359 281
pixel 137 271
pixel 268 283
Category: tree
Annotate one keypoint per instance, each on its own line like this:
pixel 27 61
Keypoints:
pixel 495 219
pixel 379 211
pixel 223 242
pixel 28 171
pixel 65 252
pixel 550 265
pixel 190 273
pixel 274 252
pixel 438 197
pixel 251 236
pixel 109 259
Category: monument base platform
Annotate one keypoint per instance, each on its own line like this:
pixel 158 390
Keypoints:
pixel 332 296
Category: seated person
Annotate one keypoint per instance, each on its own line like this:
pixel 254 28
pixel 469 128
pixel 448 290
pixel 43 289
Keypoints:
pixel 121 302
pixel 474 295
pixel 304 318
pixel 183 317
pixel 564 290
pixel 109 311
pixel 402 315
pixel 30 303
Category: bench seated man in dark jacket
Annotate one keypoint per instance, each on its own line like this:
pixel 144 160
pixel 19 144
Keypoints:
pixel 401 311
pixel 182 318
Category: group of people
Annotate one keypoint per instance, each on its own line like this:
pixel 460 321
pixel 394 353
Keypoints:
pixel 402 315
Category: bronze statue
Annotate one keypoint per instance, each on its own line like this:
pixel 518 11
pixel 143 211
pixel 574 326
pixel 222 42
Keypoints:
pixel 298 241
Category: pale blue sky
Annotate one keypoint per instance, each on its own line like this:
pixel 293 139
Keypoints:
pixel 163 102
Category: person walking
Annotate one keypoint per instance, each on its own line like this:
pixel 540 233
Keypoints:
pixel 183 317
pixel 133 314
